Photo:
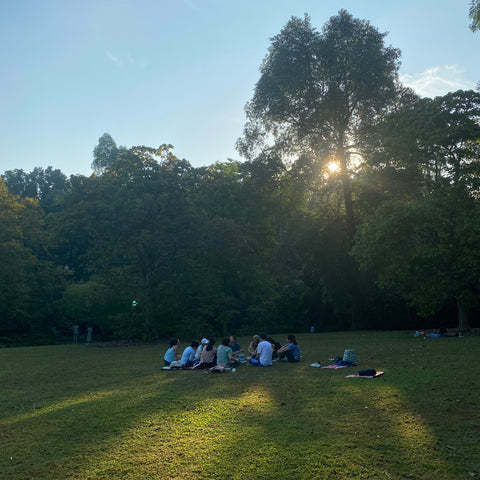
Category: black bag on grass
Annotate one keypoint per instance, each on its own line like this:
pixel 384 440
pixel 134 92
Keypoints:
pixel 371 372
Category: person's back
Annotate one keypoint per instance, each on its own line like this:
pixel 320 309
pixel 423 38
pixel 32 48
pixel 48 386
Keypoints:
pixel 188 356
pixel 264 351
pixel 223 355
pixel 209 353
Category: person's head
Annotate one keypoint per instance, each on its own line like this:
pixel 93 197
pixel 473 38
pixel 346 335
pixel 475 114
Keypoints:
pixel 263 336
pixel 195 344
pixel 225 341
pixel 211 343
pixel 204 341
pixel 233 340
pixel 291 339
pixel 173 342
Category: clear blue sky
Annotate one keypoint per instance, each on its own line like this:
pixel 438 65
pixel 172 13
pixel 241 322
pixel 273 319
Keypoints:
pixel 180 71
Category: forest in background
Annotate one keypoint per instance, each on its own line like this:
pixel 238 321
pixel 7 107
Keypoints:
pixel 356 207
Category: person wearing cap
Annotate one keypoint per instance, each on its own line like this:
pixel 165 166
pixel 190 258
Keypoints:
pixel 208 357
pixel 200 348
pixel 263 357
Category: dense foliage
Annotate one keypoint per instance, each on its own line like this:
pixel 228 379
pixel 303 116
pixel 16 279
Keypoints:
pixel 357 207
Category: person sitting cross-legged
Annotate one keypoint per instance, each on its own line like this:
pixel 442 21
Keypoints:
pixel 208 357
pixel 263 357
pixel 225 356
pixel 171 354
pixel 252 348
pixel 237 350
pixel 188 357
pixel 291 350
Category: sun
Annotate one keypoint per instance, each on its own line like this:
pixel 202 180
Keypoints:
pixel 333 167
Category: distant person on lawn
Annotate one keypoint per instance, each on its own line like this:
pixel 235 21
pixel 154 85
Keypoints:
pixel 263 357
pixel 291 350
pixel 171 354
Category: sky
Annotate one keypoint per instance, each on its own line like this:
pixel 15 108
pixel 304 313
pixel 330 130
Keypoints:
pixel 180 72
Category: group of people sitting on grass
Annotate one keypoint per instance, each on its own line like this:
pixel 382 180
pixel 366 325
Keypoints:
pixel 262 352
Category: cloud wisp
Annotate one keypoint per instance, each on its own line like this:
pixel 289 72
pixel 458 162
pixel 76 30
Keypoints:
pixel 438 80
pixel 114 59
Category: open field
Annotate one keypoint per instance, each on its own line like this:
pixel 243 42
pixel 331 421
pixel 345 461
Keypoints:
pixel 76 412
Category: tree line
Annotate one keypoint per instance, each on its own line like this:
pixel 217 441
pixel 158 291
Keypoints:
pixel 356 207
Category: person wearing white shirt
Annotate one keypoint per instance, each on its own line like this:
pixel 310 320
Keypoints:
pixel 263 357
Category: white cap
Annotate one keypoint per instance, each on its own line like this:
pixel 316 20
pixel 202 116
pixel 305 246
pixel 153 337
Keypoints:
pixel 204 340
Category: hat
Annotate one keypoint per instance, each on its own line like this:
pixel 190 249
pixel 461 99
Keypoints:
pixel 256 337
pixel 204 340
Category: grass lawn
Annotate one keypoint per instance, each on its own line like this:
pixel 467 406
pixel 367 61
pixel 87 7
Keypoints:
pixel 76 412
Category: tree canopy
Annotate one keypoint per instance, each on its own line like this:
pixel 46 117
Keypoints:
pixel 318 90
pixel 357 207
pixel 474 14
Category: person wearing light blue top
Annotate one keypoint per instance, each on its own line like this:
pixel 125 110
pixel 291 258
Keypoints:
pixel 188 357
pixel 171 354
pixel 291 350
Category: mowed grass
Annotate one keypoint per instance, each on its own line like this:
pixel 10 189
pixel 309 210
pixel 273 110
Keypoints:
pixel 76 412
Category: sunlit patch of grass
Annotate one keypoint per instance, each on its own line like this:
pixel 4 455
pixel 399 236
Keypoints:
pixel 187 439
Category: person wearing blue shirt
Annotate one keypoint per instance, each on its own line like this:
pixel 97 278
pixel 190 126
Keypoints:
pixel 291 350
pixel 188 357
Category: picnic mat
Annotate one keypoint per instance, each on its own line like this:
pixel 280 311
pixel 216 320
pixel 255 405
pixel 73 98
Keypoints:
pixel 356 375
pixel 336 367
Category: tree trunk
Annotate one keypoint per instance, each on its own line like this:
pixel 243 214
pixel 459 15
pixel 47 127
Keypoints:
pixel 347 189
pixel 463 315
pixel 349 217
pixel 356 315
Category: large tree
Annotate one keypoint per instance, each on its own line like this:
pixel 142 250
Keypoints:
pixel 316 90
